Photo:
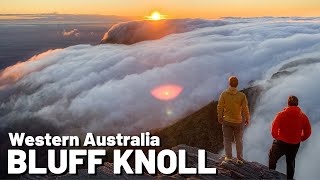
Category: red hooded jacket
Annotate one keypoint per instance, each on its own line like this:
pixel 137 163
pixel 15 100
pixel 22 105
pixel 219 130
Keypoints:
pixel 291 126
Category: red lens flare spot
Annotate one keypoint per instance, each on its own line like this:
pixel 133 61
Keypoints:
pixel 166 92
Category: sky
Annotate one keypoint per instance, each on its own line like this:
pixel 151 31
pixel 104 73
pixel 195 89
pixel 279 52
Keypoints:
pixel 172 8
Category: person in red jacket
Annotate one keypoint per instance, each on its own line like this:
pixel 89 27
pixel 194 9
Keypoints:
pixel 289 128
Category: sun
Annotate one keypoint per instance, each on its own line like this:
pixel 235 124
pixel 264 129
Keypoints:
pixel 155 16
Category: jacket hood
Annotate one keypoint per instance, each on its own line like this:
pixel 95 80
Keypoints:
pixel 232 90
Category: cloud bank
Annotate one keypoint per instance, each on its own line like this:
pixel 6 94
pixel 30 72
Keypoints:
pixel 55 18
pixel 136 31
pixel 106 88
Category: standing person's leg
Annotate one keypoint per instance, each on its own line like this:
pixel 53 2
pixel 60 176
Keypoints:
pixel 291 153
pixel 227 139
pixel 238 133
pixel 275 153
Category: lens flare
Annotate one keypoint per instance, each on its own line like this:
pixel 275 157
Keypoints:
pixel 166 92
pixel 169 112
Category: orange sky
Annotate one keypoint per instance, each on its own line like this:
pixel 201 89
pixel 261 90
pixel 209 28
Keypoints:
pixel 172 8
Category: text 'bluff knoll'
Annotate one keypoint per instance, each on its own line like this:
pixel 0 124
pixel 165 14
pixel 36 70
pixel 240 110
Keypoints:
pixel 230 170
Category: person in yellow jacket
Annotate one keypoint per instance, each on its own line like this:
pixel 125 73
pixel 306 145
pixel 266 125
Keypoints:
pixel 232 106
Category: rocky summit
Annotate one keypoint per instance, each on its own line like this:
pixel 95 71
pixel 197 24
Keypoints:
pixel 229 170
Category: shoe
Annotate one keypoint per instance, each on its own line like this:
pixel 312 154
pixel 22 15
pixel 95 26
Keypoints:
pixel 226 159
pixel 240 161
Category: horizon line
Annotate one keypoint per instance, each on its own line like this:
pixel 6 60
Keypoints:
pixel 86 14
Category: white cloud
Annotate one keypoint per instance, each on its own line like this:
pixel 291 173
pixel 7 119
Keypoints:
pixel 73 32
pixel 302 83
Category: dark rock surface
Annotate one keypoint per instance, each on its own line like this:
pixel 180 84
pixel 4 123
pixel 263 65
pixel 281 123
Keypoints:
pixel 199 129
pixel 293 66
pixel 229 170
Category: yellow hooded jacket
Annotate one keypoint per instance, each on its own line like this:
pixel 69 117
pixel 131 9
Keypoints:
pixel 232 104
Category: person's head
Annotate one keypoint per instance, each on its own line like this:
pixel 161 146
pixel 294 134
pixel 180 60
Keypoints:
pixel 233 81
pixel 293 101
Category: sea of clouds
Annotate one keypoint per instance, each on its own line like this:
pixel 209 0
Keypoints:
pixel 106 88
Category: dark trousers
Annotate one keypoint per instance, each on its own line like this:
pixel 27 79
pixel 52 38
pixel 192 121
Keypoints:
pixel 231 132
pixel 280 148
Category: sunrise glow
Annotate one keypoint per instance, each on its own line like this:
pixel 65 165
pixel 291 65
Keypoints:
pixel 174 8
pixel 155 16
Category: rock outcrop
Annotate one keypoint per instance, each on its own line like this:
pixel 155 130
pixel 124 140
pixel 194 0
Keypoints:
pixel 229 170
pixel 201 128
pixel 137 31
